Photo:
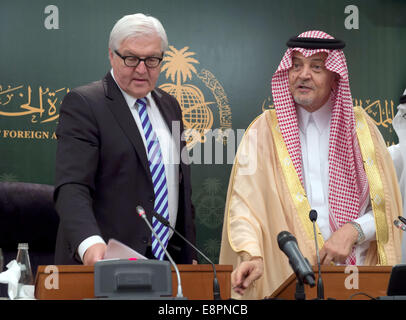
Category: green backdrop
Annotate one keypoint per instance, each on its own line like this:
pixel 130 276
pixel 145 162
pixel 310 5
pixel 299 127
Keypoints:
pixel 234 47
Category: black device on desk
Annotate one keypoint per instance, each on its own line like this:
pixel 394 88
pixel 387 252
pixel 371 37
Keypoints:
pixel 133 280
pixel 397 284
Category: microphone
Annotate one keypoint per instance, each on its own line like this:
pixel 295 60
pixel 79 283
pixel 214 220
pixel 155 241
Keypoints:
pixel 402 219
pixel 320 286
pixel 141 213
pixel 216 285
pixel 399 225
pixel 300 265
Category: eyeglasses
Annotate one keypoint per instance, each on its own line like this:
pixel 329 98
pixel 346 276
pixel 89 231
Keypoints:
pixel 133 61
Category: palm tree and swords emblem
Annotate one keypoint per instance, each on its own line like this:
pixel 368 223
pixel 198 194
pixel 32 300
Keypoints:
pixel 178 66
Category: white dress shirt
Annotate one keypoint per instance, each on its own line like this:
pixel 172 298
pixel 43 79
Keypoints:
pixel 314 132
pixel 170 156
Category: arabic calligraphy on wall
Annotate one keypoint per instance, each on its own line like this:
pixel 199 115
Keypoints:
pixel 40 105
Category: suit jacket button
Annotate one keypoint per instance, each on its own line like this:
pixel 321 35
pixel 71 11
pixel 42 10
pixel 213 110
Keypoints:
pixel 144 240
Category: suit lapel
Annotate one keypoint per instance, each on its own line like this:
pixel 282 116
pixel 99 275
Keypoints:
pixel 119 108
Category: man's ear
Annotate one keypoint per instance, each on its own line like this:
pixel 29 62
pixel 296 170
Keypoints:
pixel 111 53
pixel 335 81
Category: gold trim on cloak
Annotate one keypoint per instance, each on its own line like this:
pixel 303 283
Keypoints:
pixel 376 190
pixel 295 186
pixel 298 193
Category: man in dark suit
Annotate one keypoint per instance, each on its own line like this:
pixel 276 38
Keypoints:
pixel 120 146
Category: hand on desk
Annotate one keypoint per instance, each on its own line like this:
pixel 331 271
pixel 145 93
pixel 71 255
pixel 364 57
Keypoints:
pixel 339 246
pixel 246 273
pixel 94 254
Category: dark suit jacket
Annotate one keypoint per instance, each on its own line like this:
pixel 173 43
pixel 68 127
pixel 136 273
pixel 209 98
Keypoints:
pixel 102 173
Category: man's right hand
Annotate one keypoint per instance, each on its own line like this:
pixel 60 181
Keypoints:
pixel 246 273
pixel 94 253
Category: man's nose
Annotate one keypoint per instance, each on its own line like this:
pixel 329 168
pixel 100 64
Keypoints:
pixel 141 68
pixel 305 73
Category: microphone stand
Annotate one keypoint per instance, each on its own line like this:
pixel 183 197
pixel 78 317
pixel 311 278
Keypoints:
pixel 141 212
pixel 300 290
pixel 320 286
pixel 216 285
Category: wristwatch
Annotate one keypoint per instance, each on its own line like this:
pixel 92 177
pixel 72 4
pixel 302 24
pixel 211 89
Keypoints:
pixel 361 235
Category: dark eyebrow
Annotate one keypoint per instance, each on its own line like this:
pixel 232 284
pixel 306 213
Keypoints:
pixel 129 53
pixel 318 59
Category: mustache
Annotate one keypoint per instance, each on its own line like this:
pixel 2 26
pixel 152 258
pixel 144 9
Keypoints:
pixel 304 84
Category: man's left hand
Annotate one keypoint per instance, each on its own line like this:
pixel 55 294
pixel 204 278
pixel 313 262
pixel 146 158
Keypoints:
pixel 339 246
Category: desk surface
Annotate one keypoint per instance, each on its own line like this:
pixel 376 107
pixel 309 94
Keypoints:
pixel 76 282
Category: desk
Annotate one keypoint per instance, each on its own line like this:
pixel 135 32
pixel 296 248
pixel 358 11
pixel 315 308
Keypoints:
pixel 77 282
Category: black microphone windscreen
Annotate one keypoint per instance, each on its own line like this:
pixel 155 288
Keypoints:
pixel 283 237
pixel 161 219
pixel 313 215
pixel 402 219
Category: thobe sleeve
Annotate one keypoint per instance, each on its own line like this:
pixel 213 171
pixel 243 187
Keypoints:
pixel 245 193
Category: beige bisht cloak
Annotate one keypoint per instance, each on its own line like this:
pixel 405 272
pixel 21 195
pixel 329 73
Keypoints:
pixel 260 205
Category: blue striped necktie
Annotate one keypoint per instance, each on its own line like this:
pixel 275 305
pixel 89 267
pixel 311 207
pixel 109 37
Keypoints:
pixel 157 169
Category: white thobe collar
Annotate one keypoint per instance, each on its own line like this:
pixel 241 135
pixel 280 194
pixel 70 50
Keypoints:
pixel 321 117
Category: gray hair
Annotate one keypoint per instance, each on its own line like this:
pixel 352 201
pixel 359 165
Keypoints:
pixel 136 25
